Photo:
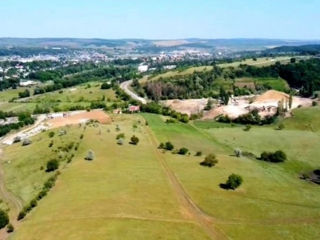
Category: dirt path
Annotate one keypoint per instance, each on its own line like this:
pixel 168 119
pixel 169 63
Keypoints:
pixel 192 210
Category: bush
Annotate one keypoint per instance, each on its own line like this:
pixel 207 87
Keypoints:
pixel 4 219
pixel 247 128
pixel 10 228
pixel 26 142
pixel 134 140
pixel 276 157
pixel 237 152
pixel 234 181
pixel 198 154
pixel 161 146
pixel 209 161
pixel 183 151
pixel 21 215
pixel 90 156
pixel 314 103
pixel 17 139
pixel 120 141
pixel 168 146
pixel 51 134
pixel 50 144
pixel 120 136
pixel 280 126
pixel 52 165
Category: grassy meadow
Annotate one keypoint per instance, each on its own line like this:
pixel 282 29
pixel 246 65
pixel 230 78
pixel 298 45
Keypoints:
pixel 272 203
pixel 81 95
pixel 123 193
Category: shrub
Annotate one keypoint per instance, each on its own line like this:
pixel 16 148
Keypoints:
pixel 317 172
pixel 51 134
pixel 21 214
pixel 234 181
pixel 120 136
pixel 276 157
pixel 90 156
pixel 134 140
pixel 314 103
pixel 26 142
pixel 17 139
pixel 4 219
pixel 10 228
pixel 237 152
pixel 171 120
pixel 81 136
pixel 50 144
pixel 198 154
pixel 52 165
pixel 247 128
pixel 183 151
pixel 209 161
pixel 33 203
pixel 280 126
pixel 120 141
pixel 168 146
pixel 161 146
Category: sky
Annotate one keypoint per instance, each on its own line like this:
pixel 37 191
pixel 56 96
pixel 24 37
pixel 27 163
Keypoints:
pixel 161 19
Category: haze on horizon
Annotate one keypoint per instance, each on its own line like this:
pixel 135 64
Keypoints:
pixel 150 19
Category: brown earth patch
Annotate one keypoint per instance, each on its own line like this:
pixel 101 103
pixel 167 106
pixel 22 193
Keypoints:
pixel 80 117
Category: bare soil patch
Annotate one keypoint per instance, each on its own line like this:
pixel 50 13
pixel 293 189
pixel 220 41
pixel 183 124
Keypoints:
pixel 79 117
pixel 188 106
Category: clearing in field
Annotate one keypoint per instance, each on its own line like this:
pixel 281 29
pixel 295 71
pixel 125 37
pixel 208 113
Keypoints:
pixel 79 117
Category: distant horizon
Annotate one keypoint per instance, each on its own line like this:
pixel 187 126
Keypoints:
pixel 168 39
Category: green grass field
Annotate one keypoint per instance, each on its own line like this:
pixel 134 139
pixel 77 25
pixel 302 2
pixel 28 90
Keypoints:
pixel 187 71
pixel 273 203
pixel 125 192
pixel 78 95
pixel 122 194
pixel 278 84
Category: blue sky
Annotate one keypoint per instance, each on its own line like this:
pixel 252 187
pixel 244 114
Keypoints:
pixel 161 19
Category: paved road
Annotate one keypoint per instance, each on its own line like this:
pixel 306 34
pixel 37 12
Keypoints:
pixel 125 86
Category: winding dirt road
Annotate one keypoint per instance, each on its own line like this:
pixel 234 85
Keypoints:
pixel 125 86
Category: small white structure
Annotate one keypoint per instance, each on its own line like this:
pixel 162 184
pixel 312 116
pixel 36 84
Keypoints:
pixel 27 83
pixel 169 67
pixel 143 68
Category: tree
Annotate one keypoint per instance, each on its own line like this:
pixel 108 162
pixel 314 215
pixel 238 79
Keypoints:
pixel 183 151
pixel 234 181
pixel 198 154
pixel 120 141
pixel 276 157
pixel 51 134
pixel 26 142
pixel 134 140
pixel 52 165
pixel 290 101
pixel 224 96
pixel 106 85
pixel 10 228
pixel 209 161
pixel 90 156
pixel 120 136
pixel 238 152
pixel 4 219
pixel 168 146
